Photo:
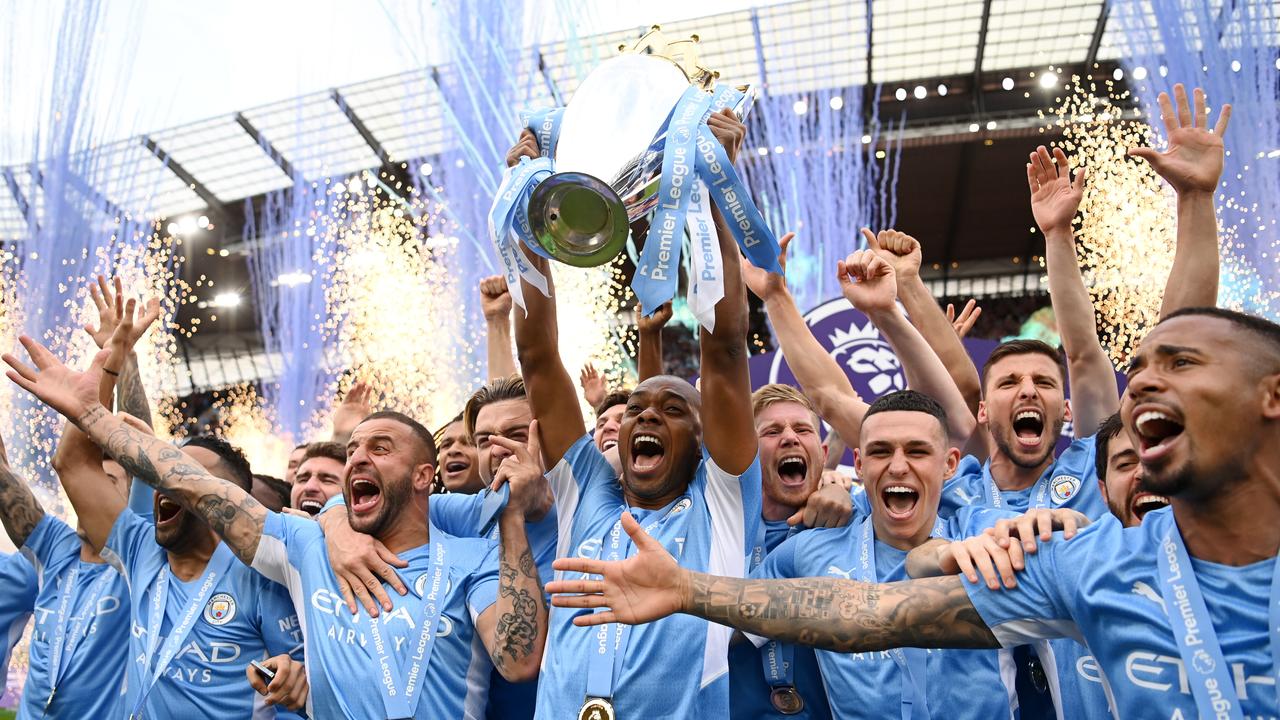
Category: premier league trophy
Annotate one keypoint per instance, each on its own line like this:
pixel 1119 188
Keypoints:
pixel 632 142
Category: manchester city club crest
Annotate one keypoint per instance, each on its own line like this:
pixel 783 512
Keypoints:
pixel 1064 488
pixel 220 610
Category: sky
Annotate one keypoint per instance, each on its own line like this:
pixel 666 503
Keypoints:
pixel 166 63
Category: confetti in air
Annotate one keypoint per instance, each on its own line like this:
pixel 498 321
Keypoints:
pixel 1125 230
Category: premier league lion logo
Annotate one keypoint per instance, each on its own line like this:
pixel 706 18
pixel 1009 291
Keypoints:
pixel 856 344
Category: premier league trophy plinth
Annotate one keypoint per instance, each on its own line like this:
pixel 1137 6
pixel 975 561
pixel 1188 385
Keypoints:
pixel 632 142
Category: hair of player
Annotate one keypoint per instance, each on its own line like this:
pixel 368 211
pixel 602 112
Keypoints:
pixel 776 393
pixel 908 401
pixel 614 397
pixel 1260 328
pixel 277 486
pixel 1109 428
pixel 325 449
pixel 229 455
pixel 1020 346
pixel 498 390
pixel 424 435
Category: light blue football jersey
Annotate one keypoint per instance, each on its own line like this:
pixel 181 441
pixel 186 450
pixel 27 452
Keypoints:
pixel 343 667
pixel 1078 686
pixel 459 515
pixel 16 602
pixel 676 667
pixel 85 606
pixel 242 617
pixel 960 684
pixel 1103 586
pixel 749 690
pixel 1070 482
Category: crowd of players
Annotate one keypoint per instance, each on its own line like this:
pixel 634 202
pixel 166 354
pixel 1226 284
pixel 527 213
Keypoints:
pixel 693 554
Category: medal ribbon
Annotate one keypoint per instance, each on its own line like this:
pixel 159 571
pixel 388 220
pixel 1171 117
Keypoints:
pixel 495 501
pixel 64 643
pixel 911 662
pixel 605 663
pixel 777 657
pixel 1207 670
pixel 1039 496
pixel 214 573
pixel 402 703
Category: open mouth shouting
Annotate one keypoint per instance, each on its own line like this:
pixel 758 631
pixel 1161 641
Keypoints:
pixel 366 493
pixel 168 511
pixel 311 505
pixel 1144 502
pixel 793 470
pixel 456 468
pixel 609 443
pixel 899 500
pixel 1028 427
pixel 1158 431
pixel 647 452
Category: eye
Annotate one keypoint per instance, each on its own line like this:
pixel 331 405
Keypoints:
pixel 1181 362
pixel 633 409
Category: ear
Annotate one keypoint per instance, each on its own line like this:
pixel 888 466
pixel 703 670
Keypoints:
pixel 1270 386
pixel 953 462
pixel 825 452
pixel 982 412
pixel 1066 410
pixel 857 463
pixel 423 476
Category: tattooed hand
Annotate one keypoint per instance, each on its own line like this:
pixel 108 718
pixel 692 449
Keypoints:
pixel 69 392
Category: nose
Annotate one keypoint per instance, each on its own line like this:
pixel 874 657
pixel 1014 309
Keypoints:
pixel 497 453
pixel 898 463
pixel 1027 388
pixel 648 415
pixel 788 437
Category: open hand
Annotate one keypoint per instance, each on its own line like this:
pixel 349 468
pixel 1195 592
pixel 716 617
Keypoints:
pixel 592 382
pixel 110 302
pixel 353 409
pixel 1055 197
pixel 645 587
pixel 69 392
pixel 361 564
pixel 1193 161
pixel 762 283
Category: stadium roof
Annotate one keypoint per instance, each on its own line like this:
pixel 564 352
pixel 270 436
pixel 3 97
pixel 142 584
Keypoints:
pixel 207 165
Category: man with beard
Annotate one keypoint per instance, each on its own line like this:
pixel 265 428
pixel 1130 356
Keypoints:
pixel 199 616
pixel 359 667
pixel 695 484
pixel 1176 610
pixel 318 477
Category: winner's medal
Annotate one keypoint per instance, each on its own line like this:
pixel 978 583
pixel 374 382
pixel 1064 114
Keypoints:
pixel 786 700
pixel 597 709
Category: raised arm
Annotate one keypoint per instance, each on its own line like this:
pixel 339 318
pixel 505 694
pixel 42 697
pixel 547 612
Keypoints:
pixel 649 332
pixel 829 613
pixel 19 509
pixel 726 384
pixel 547 382
pixel 1054 201
pixel 1192 164
pixel 868 282
pixel 349 413
pixel 97 502
pixel 514 629
pixel 231 512
pixel 819 375
pixel 903 253
pixel 495 304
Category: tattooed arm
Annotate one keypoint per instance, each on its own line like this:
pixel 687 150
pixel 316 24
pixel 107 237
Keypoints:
pixel 131 396
pixel 230 511
pixel 829 613
pixel 515 627
pixel 19 509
